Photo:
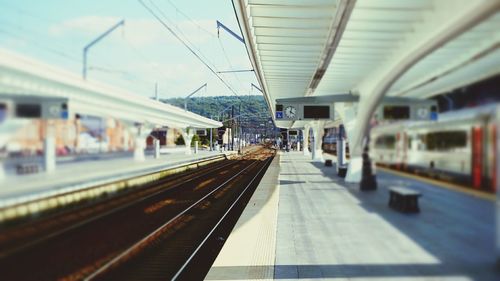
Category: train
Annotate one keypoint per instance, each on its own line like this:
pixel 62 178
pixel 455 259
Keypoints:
pixel 461 147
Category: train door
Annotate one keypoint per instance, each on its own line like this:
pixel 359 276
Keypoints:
pixel 401 150
pixel 484 155
pixel 494 160
pixel 404 150
pixel 477 153
pixel 490 155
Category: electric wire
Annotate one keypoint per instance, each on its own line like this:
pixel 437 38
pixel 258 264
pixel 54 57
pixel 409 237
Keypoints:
pixel 190 19
pixel 162 22
pixel 185 37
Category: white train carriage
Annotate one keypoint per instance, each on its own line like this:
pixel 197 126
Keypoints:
pixel 459 147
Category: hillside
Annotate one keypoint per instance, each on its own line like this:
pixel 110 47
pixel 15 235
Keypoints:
pixel 253 108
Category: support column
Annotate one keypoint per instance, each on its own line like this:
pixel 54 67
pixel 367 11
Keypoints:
pixel 195 147
pixel 187 136
pixel 298 145
pixel 2 171
pixel 139 149
pixel 341 153
pixel 305 134
pixel 156 143
pixel 318 131
pixel 348 115
pixel 126 135
pixel 368 180
pixel 140 142
pixel 497 181
pixel 49 150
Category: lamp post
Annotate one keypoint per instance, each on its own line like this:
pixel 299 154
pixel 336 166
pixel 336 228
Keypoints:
pixel 86 48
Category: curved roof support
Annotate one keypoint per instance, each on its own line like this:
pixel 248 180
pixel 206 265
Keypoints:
pixel 372 92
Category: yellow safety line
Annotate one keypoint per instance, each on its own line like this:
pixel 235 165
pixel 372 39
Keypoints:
pixel 451 186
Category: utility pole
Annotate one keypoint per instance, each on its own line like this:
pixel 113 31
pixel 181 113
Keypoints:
pixel 232 127
pixel 157 95
pixel 211 129
pixel 239 128
pixel 194 92
pixel 86 48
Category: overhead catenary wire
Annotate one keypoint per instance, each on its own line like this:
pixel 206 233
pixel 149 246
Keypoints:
pixel 188 47
pixel 41 46
pixel 148 60
pixel 186 39
pixel 190 19
pixel 229 63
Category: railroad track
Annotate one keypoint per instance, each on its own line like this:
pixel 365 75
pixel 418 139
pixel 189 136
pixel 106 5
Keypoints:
pixel 87 248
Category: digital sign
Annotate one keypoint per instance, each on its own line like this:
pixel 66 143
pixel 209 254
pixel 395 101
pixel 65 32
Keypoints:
pixel 395 112
pixel 29 110
pixel 316 112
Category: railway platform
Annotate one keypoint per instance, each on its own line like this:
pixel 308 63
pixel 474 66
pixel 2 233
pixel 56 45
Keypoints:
pixel 76 175
pixel 304 222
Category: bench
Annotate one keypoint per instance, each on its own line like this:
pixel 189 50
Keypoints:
pixel 404 199
pixel 27 168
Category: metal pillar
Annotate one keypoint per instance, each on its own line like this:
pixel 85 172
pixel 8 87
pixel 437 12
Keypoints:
pixel 157 94
pixel 211 144
pixel 232 128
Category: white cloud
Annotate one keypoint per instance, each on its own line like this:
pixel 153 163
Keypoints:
pixel 159 57
pixel 140 32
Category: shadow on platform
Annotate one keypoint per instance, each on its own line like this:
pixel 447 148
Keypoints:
pixel 456 228
pixel 321 271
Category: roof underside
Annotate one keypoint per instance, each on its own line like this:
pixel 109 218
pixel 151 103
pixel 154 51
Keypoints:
pixel 289 40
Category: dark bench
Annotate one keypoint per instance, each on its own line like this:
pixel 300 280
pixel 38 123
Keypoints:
pixel 27 168
pixel 404 199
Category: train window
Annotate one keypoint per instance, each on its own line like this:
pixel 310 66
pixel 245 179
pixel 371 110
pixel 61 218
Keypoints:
pixel 446 140
pixel 387 141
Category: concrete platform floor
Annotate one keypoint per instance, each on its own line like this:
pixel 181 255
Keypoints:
pixel 329 230
pixel 80 174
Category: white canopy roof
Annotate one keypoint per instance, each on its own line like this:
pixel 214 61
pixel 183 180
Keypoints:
pixel 371 48
pixel 23 76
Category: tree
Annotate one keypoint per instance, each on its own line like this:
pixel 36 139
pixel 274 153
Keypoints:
pixel 179 140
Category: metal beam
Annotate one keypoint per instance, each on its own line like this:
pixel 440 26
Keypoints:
pixel 347 98
pixel 194 92
pixel 220 24
pixel 86 48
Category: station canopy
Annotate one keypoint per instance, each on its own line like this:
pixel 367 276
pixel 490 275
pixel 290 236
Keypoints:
pixel 370 48
pixel 20 76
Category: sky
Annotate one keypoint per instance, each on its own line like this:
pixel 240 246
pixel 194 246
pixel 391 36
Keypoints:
pixel 141 53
